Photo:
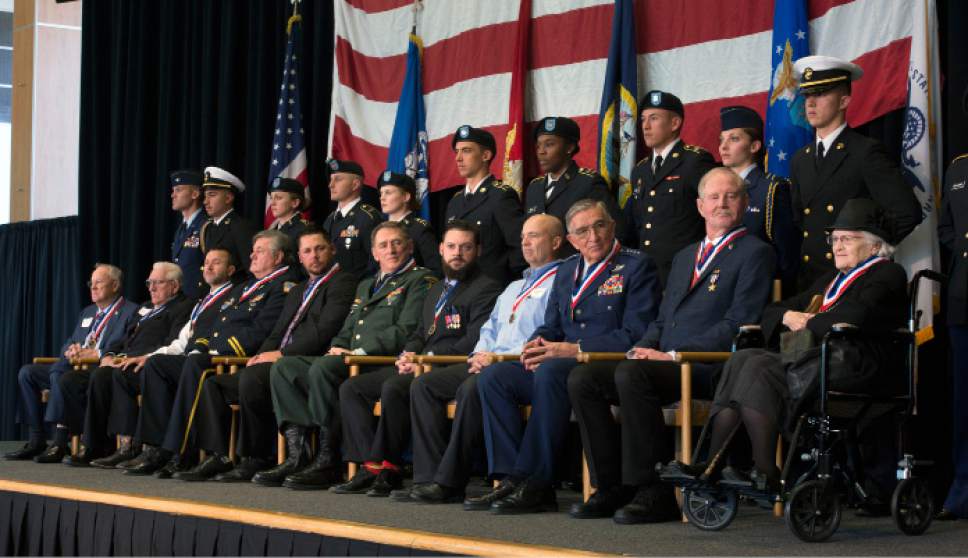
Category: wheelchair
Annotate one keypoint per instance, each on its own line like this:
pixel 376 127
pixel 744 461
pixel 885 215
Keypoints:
pixel 822 473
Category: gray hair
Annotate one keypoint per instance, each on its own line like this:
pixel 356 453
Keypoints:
pixel 172 271
pixel 114 272
pixel 585 205
pixel 278 241
pixel 884 249
pixel 396 225
pixel 736 179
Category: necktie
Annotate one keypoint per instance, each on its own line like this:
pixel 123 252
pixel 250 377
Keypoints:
pixel 657 164
pixel 820 153
pixel 549 187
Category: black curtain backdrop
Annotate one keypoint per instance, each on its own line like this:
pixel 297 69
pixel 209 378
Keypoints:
pixel 44 282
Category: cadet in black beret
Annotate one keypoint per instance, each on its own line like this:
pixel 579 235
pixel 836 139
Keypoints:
pixel 556 142
pixel 286 201
pixel 226 228
pixel 494 207
pixel 186 250
pixel 662 217
pixel 350 225
pixel 398 200
pixel 768 215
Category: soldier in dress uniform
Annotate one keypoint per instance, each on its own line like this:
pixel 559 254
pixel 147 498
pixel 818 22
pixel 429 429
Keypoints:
pixel 186 248
pixel 304 389
pixel 353 221
pixel 287 201
pixel 398 200
pixel 492 206
pixel 450 323
pixel 225 228
pixel 661 216
pixel 563 183
pixel 839 165
pixel 768 215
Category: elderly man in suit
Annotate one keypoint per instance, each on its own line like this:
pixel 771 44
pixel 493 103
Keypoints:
pixel 715 286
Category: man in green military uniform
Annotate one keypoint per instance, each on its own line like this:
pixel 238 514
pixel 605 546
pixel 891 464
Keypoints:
pixel 304 389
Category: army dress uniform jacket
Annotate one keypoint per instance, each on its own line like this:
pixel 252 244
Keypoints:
pixel 613 311
pixel 292 228
pixel 381 322
pixel 856 166
pixel 953 234
pixel 769 216
pixel 234 234
pixel 426 247
pixel 661 217
pixel 495 208
pixel 455 329
pixel 350 235
pixel 147 331
pixel 186 251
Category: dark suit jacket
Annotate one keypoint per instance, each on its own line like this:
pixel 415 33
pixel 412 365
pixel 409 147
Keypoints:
pixel 234 234
pixel 459 323
pixel 146 335
pixel 612 313
pixel 731 292
pixel 661 216
pixel 319 323
pixel 855 167
pixel 953 234
pixel 496 210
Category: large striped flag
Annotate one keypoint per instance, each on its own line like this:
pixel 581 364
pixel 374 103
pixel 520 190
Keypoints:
pixel 619 115
pixel 517 136
pixel 707 52
pixel 787 129
pixel 408 144
pixel 288 143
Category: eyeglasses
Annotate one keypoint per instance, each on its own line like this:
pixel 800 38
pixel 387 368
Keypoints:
pixel 152 282
pixel 98 283
pixel 844 238
pixel 598 226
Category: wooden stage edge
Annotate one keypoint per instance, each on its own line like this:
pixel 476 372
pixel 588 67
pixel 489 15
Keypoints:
pixel 407 538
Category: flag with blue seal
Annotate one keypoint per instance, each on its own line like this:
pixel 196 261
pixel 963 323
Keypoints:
pixel 618 114
pixel 408 144
pixel 787 129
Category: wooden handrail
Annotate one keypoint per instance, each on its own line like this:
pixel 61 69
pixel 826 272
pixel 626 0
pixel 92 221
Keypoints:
pixel 230 360
pixel 699 356
pixel 350 360
pixel 45 360
pixel 441 359
pixel 599 357
pixel 85 361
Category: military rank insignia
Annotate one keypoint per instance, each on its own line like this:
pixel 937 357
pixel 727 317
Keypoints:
pixel 452 321
pixel 394 294
pixel 713 278
pixel 612 286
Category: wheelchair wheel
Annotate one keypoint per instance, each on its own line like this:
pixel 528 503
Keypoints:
pixel 709 510
pixel 813 511
pixel 912 506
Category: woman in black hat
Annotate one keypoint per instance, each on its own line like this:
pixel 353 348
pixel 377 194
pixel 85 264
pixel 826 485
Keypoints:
pixel 867 290
pixel 398 200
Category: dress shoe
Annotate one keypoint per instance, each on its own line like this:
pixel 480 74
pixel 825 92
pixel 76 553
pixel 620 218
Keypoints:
pixel 82 459
pixel 528 497
pixel 734 477
pixel 402 495
pixel 603 503
pixel 296 458
pixel 211 466
pixel 483 503
pixel 945 515
pixel 386 482
pixel 433 493
pixel 29 451
pixel 124 453
pixel 177 464
pixel 314 478
pixel 360 483
pixel 150 460
pixel 652 504
pixel 679 471
pixel 53 454
pixel 244 471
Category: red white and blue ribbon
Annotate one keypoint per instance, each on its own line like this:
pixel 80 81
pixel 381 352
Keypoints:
pixel 97 328
pixel 248 291
pixel 306 299
pixel 593 273
pixel 843 281
pixel 526 292
pixel 209 300
pixel 703 262
pixel 411 263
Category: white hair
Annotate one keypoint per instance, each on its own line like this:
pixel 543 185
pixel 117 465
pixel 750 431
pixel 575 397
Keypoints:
pixel 884 249
pixel 114 272
pixel 172 271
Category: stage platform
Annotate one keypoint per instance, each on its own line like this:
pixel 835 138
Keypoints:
pixel 363 525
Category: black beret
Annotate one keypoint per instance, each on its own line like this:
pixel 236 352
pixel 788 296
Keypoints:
pixel 481 137
pixel 662 100
pixel 558 126
pixel 280 184
pixel 739 117
pixel 350 167
pixel 389 178
pixel 186 177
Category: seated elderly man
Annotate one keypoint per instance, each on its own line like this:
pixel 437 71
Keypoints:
pixel 87 394
pixel 867 290
pixel 714 286
pixel 101 324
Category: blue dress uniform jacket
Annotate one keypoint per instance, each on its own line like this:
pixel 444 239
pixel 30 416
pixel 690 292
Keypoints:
pixel 732 291
pixel 495 208
pixel 661 216
pixel 769 216
pixel 350 235
pixel 186 251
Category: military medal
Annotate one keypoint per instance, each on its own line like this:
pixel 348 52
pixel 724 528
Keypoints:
pixel 439 307
pixel 593 274
pixel 99 324
pixel 526 292
pixel 842 282
pixel 704 257
pixel 209 300
pixel 713 277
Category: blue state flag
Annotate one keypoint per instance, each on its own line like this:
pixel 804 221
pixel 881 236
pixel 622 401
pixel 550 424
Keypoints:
pixel 408 144
pixel 619 110
pixel 787 129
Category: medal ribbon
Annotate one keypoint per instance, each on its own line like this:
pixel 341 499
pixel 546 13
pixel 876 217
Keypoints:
pixel 527 290
pixel 411 263
pixel 593 273
pixel 247 292
pixel 306 299
pixel 842 282
pixel 208 301
pixel 442 301
pixel 94 337
pixel 703 260
pixel 151 314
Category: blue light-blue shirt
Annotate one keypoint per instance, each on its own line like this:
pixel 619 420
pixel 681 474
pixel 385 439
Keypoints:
pixel 498 334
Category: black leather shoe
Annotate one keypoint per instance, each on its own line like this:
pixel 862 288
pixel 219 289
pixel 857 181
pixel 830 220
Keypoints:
pixel 296 458
pixel 433 493
pixel 679 471
pixel 125 453
pixel 603 503
pixel 360 483
pixel 386 482
pixel 53 454
pixel 148 462
pixel 945 515
pixel 314 478
pixel 402 495
pixel 213 465
pixel 82 459
pixel 27 452
pixel 244 471
pixel 651 504
pixel 528 497
pixel 483 503
pixel 173 466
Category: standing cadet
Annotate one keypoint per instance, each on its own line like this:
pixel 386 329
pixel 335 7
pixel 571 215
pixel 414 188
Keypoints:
pixel 768 215
pixel 304 389
pixel 286 201
pixel 492 206
pixel 186 250
pixel 398 199
pixel 556 142
pixel 225 228
pixel 661 216
pixel 350 225
pixel 839 165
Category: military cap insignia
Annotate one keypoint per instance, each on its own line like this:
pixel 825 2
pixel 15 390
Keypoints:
pixel 208 176
pixel 655 98
pixel 464 131
pixel 808 74
pixel 386 176
pixel 333 164
pixel 612 286
pixel 549 125
pixel 276 181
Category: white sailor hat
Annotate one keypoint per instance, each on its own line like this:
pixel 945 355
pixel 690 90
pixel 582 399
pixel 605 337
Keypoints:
pixel 820 73
pixel 216 177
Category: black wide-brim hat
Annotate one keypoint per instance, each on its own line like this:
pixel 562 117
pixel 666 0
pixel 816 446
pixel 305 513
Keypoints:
pixel 862 214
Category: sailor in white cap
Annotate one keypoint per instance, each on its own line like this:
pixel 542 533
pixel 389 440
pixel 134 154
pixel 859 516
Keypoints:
pixel 225 227
pixel 839 165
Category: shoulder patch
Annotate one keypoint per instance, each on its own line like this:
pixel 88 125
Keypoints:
pixel 287 286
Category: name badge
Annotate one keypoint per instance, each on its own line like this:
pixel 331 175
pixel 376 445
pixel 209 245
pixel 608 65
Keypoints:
pixel 86 322
pixel 143 311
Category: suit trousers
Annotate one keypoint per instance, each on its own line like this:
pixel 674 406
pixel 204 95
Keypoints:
pixel 97 437
pixel 249 388
pixel 125 415
pixel 33 379
pixel 389 440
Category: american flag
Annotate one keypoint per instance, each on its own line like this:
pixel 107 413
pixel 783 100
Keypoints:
pixel 708 52
pixel 288 143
